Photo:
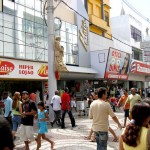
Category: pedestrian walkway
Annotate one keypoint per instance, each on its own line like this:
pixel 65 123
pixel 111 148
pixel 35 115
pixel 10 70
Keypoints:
pixel 73 138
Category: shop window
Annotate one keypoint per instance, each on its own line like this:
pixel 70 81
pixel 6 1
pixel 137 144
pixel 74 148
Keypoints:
pixel 137 54
pixel 69 35
pixel 106 17
pixel 136 34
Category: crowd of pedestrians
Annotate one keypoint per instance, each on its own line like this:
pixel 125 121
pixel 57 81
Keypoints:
pixel 20 111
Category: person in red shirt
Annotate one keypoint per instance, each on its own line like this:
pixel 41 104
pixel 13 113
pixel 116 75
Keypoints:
pixel 65 106
pixel 126 106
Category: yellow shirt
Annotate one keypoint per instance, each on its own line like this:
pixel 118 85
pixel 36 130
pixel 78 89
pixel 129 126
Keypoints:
pixel 99 112
pixel 132 99
pixel 142 145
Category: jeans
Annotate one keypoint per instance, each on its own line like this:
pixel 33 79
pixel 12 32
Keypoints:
pixel 70 116
pixel 16 121
pixel 57 117
pixel 101 139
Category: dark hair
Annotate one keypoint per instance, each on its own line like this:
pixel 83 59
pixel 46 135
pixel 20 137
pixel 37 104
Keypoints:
pixel 102 90
pixel 66 89
pixel 41 103
pixel 56 92
pixel 140 112
pixel 6 139
pixel 5 93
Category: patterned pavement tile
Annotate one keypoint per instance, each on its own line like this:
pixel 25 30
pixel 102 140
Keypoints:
pixel 73 138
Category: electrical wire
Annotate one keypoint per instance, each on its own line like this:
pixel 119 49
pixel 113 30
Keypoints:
pixel 94 24
pixel 136 11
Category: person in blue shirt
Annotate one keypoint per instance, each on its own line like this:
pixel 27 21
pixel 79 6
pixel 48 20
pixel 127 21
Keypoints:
pixel 7 107
pixel 42 125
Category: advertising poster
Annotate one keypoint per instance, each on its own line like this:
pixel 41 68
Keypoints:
pixel 117 65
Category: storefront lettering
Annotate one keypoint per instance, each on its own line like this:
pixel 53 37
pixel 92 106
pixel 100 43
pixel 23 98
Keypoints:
pixel 6 67
pixel 116 54
pixel 84 34
pixel 117 76
pixel 26 69
pixel 142 69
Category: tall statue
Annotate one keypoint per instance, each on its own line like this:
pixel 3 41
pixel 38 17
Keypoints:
pixel 59 54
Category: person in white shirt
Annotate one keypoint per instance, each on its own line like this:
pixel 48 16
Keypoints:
pixel 56 103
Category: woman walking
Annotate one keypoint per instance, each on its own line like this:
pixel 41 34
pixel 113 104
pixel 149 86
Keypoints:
pixel 42 124
pixel 137 135
pixel 16 111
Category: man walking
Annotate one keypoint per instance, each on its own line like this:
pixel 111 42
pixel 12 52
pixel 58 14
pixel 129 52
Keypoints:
pixel 132 99
pixel 56 102
pixel 29 109
pixel 8 107
pixel 99 112
pixel 65 99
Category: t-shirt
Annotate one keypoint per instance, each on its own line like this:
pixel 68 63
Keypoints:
pixel 133 99
pixel 65 101
pixel 99 112
pixel 28 107
pixel 56 101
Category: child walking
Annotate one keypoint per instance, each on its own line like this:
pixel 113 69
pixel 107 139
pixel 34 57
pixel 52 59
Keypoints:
pixel 42 124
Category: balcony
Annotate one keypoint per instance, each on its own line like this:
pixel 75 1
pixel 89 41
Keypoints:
pixel 102 24
pixel 106 3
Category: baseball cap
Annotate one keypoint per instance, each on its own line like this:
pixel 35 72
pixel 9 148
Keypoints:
pixel 25 92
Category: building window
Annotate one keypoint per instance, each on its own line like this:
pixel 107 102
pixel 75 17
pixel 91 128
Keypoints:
pixel 69 36
pixel 137 54
pixel 106 17
pixel 136 34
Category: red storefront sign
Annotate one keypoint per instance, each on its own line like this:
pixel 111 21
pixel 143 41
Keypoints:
pixel 139 67
pixel 117 65
pixel 6 67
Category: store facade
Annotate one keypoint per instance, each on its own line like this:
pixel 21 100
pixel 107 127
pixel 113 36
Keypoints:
pixel 25 48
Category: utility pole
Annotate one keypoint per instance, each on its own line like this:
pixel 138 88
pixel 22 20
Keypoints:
pixel 52 83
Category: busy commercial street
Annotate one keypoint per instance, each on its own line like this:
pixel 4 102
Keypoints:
pixel 74 75
pixel 74 138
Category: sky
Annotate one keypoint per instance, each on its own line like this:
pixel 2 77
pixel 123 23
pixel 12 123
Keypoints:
pixel 142 6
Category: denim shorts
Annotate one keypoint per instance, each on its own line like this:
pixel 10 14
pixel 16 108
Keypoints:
pixel 16 121
pixel 101 139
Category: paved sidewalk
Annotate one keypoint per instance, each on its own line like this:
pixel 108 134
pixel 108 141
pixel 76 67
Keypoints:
pixel 73 138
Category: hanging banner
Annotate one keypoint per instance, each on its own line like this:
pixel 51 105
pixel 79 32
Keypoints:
pixel 117 65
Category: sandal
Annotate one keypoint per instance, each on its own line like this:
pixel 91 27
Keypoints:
pixel 115 140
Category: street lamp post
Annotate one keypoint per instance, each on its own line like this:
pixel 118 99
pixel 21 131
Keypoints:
pixel 52 84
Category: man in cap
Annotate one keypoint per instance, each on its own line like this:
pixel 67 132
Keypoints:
pixel 29 109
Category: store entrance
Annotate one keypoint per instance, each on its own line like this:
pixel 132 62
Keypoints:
pixel 13 86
